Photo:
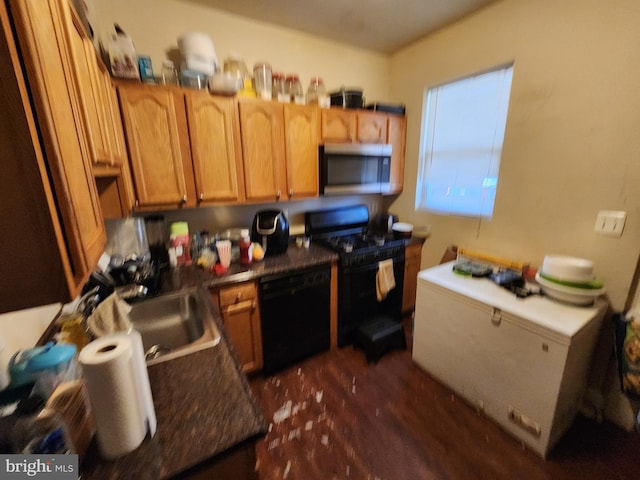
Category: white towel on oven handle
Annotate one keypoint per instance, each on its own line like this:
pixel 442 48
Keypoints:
pixel 385 280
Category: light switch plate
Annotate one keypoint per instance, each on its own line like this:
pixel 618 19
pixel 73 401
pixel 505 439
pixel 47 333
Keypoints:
pixel 610 222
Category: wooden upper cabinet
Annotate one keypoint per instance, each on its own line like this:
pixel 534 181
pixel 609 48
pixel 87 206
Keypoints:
pixel 215 150
pixel 58 140
pixel 263 151
pixel 372 127
pixel 338 125
pixel 396 136
pixel 117 148
pixel 89 85
pixel 353 126
pixel 302 138
pixel 155 126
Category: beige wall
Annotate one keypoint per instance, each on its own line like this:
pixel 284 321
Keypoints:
pixel 571 146
pixel 155 26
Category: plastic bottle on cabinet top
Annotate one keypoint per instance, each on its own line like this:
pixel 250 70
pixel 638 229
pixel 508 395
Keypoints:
pixel 296 94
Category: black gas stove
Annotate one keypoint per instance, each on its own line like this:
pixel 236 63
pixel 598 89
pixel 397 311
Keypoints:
pixel 356 249
pixel 346 231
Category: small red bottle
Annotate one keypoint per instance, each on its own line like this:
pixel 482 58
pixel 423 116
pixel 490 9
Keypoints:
pixel 246 257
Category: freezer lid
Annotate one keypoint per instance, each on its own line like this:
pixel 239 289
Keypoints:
pixel 546 314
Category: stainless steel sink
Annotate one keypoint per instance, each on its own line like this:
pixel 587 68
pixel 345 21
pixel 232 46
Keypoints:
pixel 174 324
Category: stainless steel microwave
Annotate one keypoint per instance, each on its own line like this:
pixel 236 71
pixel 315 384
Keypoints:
pixel 347 168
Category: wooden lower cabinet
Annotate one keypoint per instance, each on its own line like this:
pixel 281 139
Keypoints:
pixel 412 259
pixel 240 312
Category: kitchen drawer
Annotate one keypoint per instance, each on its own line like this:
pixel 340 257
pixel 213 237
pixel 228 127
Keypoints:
pixel 237 294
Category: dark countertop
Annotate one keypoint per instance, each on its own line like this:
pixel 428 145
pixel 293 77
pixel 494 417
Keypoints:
pixel 293 259
pixel 204 407
pixel 203 402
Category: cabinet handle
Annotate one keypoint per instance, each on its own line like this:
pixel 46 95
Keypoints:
pixel 184 198
pixel 291 192
pixel 278 194
pixel 239 307
pixel 238 297
pixel 254 305
pixel 137 203
pixel 496 316
pixel 201 196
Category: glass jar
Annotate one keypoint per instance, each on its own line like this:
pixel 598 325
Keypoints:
pixel 316 93
pixel 169 73
pixel 39 430
pixel 296 94
pixel 280 91
pixel 263 80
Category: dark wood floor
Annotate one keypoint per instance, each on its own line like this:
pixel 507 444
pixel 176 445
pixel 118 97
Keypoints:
pixel 334 416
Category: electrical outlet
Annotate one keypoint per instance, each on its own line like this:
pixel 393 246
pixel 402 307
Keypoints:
pixel 610 222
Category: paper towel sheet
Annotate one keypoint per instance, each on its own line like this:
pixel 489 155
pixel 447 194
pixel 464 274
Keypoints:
pixel 118 386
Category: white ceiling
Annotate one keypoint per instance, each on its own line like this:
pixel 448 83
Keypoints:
pixel 379 25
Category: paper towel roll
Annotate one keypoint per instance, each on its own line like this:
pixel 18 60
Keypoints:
pixel 119 399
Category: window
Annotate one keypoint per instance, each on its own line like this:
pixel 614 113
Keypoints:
pixel 461 144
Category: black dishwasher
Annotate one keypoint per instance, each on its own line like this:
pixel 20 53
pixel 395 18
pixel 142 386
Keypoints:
pixel 295 312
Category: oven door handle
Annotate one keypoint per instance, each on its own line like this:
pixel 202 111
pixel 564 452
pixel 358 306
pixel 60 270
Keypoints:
pixel 372 266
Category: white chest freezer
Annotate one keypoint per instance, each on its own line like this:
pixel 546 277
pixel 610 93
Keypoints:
pixel 523 361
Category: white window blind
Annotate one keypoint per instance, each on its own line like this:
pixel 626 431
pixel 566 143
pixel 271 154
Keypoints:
pixel 461 144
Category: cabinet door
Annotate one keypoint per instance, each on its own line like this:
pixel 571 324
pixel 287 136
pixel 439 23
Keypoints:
pixel 301 147
pixel 89 86
pixel 396 137
pixel 338 125
pixel 242 324
pixel 238 305
pixel 412 259
pixel 46 59
pixel 372 127
pixel 263 153
pixel 115 133
pixel 217 163
pixel 154 122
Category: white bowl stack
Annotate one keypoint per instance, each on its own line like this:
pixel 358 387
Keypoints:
pixel 569 280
